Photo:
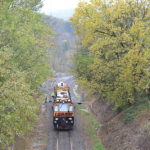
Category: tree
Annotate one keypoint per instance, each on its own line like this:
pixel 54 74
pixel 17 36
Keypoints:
pixel 24 39
pixel 117 35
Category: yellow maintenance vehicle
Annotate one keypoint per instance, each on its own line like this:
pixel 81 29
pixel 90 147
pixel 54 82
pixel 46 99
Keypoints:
pixel 63 107
pixel 62 93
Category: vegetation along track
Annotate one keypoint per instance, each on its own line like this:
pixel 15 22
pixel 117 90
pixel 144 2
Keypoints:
pixel 63 140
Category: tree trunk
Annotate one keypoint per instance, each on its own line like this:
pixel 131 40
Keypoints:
pixel 135 96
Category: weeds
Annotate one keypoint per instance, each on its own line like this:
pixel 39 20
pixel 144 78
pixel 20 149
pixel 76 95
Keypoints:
pixel 91 126
pixel 132 112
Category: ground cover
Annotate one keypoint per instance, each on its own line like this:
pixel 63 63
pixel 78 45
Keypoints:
pixel 91 125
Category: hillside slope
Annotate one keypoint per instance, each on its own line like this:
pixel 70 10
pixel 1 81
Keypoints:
pixel 125 130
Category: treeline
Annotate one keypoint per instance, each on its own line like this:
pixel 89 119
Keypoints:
pixel 114 59
pixel 24 38
pixel 59 25
pixel 61 58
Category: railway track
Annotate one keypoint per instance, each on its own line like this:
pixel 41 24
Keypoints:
pixel 63 140
pixel 64 143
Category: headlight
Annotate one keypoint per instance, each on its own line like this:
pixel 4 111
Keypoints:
pixel 68 100
pixel 57 100
pixel 56 118
pixel 70 118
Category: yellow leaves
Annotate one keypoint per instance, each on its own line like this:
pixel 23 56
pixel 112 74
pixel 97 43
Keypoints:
pixel 117 34
pixel 138 32
pixel 5 55
pixel 96 2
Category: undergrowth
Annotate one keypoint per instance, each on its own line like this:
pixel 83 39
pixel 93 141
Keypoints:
pixel 91 126
pixel 133 111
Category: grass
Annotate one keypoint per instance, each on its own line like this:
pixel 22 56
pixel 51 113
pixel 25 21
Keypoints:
pixel 98 145
pixel 91 126
pixel 133 111
pixel 78 97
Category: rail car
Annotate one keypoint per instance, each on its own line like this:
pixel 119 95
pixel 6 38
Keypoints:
pixel 61 93
pixel 63 115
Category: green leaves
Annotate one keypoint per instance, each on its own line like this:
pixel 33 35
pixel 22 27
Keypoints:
pixel 115 33
pixel 24 39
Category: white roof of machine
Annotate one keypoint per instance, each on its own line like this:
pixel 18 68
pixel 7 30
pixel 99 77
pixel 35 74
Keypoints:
pixel 62 94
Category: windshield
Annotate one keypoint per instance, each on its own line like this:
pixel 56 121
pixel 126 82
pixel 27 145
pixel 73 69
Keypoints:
pixel 63 107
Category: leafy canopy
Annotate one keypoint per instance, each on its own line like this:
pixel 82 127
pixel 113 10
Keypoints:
pixel 116 33
pixel 24 39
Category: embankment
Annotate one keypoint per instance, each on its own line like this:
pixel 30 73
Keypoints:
pixel 125 130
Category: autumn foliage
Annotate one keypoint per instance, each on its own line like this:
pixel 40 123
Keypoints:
pixel 114 60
